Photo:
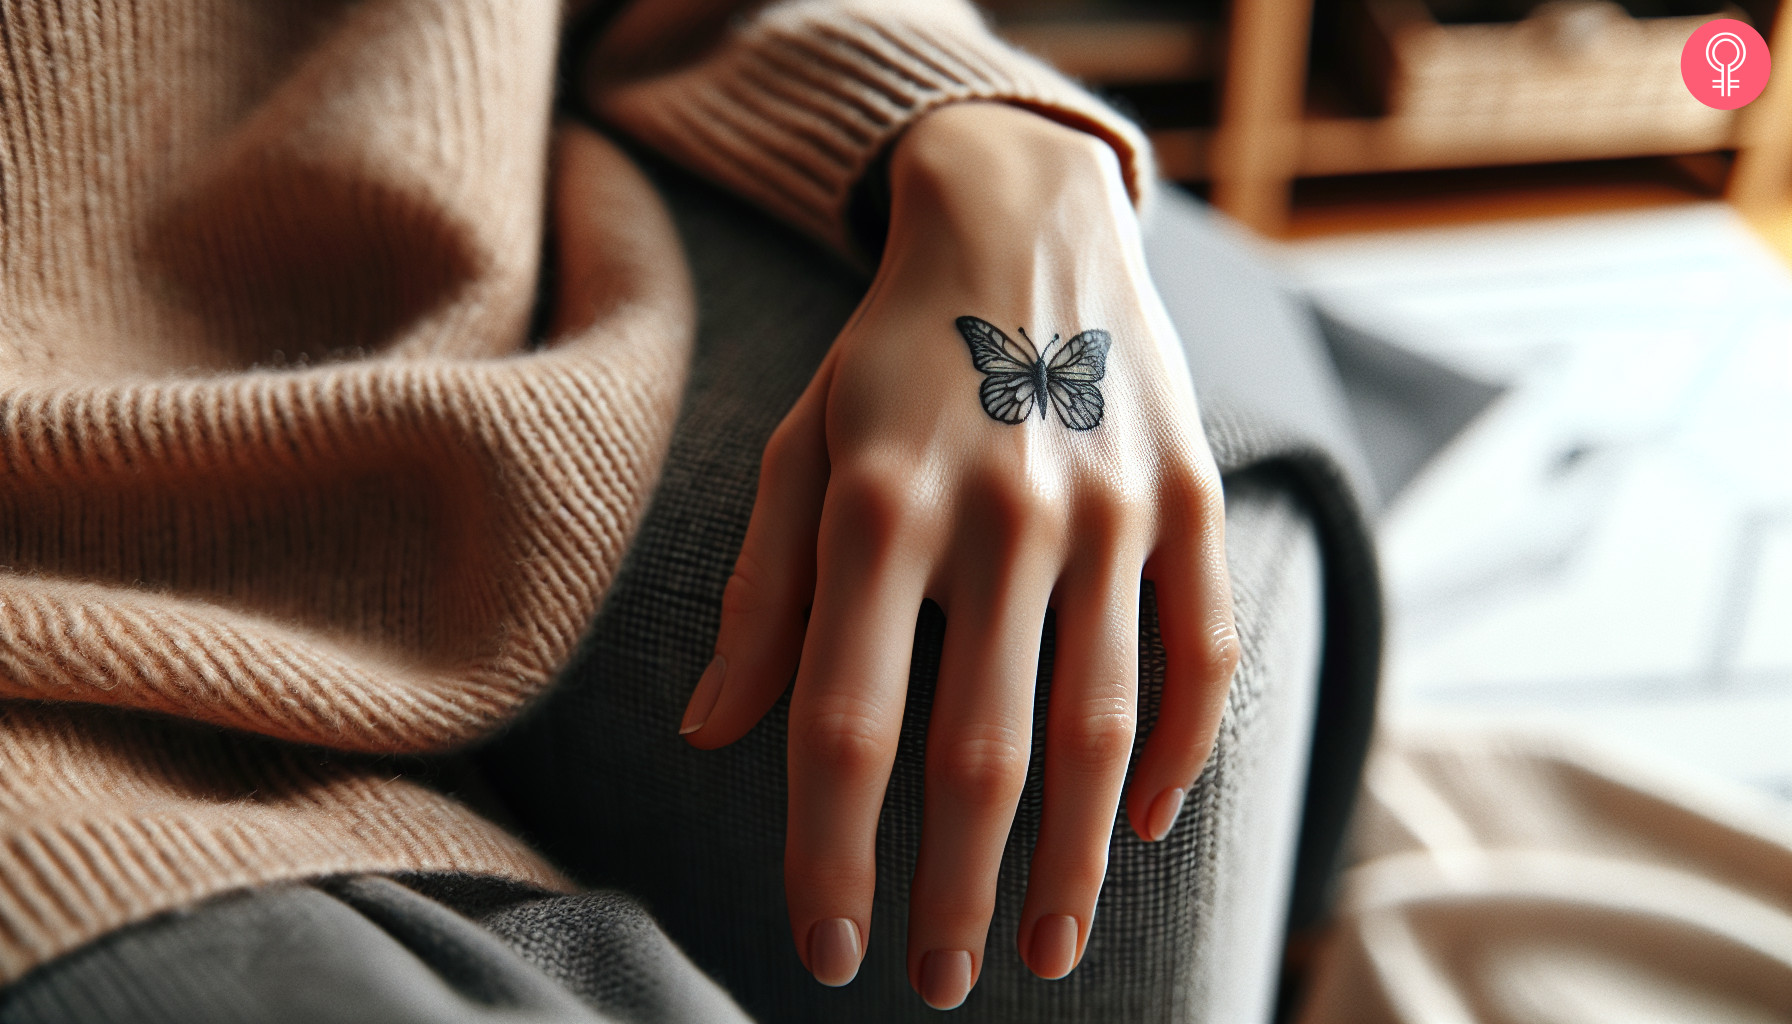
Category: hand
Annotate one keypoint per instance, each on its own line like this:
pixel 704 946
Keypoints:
pixel 892 480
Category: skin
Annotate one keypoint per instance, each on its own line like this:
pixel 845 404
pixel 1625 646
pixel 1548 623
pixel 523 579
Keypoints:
pixel 888 483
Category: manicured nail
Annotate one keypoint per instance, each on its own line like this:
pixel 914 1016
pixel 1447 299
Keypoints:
pixel 945 978
pixel 703 698
pixel 1164 811
pixel 834 951
pixel 1052 951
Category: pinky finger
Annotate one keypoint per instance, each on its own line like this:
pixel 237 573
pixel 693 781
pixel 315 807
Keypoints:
pixel 1201 651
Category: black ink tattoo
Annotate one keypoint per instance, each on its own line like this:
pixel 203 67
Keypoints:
pixel 1015 381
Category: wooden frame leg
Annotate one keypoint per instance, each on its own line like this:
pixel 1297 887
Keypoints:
pixel 1762 180
pixel 1257 146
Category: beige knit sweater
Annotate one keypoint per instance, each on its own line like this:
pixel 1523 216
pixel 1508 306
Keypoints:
pixel 283 482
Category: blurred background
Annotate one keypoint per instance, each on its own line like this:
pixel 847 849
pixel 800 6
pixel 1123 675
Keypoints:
pixel 1559 290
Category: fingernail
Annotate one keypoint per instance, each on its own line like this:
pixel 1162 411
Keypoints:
pixel 703 698
pixel 945 978
pixel 1164 811
pixel 1052 951
pixel 834 951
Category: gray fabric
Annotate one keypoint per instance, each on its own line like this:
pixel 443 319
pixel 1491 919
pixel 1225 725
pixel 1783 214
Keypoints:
pixel 1255 815
pixel 1256 352
pixel 1405 406
pixel 602 946
pixel 699 835
pixel 366 950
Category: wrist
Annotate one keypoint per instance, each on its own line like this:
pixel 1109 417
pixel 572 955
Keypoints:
pixel 980 170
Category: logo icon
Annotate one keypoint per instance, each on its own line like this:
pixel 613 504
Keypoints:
pixel 1726 69
pixel 1725 64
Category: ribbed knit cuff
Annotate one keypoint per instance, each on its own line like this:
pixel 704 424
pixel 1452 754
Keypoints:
pixel 794 107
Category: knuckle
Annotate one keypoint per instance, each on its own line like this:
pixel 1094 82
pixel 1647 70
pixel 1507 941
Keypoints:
pixel 950 913
pixel 1084 870
pixel 1019 510
pixel 1097 743
pixel 950 907
pixel 1115 513
pixel 1108 508
pixel 743 595
pixel 1196 489
pixel 844 741
pixel 878 504
pixel 1020 507
pixel 827 879
pixel 756 587
pixel 1224 651
pixel 986 771
pixel 779 451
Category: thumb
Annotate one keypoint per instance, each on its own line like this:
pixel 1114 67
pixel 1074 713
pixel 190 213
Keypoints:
pixel 765 602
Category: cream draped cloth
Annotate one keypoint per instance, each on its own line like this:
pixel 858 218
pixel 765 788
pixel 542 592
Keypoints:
pixel 1505 878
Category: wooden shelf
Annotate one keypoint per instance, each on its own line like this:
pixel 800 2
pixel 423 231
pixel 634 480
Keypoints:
pixel 1273 126
pixel 1334 145
pixel 1266 139
pixel 1118 51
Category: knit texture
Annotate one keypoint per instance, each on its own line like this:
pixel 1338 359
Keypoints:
pixel 795 107
pixel 282 469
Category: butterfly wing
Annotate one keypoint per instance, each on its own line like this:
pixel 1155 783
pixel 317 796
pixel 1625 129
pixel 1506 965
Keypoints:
pixel 1070 379
pixel 1009 389
pixel 991 350
pixel 1009 397
pixel 1083 358
pixel 1079 403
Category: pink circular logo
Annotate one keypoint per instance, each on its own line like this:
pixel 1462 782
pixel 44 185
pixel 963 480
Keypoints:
pixel 1725 64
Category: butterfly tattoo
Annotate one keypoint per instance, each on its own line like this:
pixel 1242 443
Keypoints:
pixel 1016 380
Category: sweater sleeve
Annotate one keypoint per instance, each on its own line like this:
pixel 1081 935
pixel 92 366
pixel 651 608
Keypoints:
pixel 794 103
pixel 277 452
